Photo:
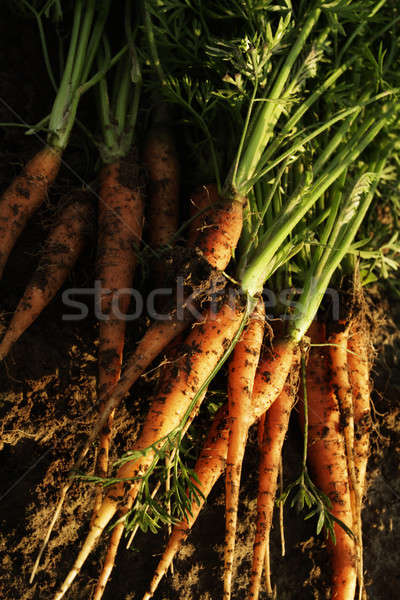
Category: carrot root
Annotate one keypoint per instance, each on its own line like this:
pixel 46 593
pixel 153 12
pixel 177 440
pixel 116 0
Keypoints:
pixel 327 456
pixel 24 196
pixel 216 231
pixel 242 370
pixel 275 428
pixel 60 253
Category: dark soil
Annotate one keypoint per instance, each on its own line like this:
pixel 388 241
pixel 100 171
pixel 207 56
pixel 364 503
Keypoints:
pixel 47 402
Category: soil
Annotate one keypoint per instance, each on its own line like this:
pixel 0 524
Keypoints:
pixel 47 402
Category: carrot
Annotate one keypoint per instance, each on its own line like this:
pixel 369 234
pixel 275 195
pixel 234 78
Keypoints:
pixel 161 161
pixel 120 228
pixel 340 379
pixel 242 370
pixel 327 456
pixel 60 252
pixel 216 231
pixel 358 346
pixel 24 196
pixel 212 460
pixel 274 432
pixel 205 345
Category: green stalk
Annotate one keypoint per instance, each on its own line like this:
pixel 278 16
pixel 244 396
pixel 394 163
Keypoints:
pixel 263 130
pixel 85 38
pixel 118 116
pixel 318 279
pixel 252 280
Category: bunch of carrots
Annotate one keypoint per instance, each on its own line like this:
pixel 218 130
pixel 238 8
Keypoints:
pixel 237 134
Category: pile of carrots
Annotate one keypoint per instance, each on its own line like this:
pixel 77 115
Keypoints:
pixel 280 201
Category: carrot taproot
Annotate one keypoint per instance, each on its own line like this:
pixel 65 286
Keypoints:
pixel 216 231
pixel 242 370
pixel 359 372
pixel 205 345
pixel 340 379
pixel 60 252
pixel 327 457
pixel 120 224
pixel 24 196
pixel 161 161
pixel 359 369
pixel 212 459
pixel 274 432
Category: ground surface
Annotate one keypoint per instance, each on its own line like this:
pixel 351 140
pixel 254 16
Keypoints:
pixel 47 399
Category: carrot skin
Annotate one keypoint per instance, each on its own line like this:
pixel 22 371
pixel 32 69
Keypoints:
pixel 360 383
pixel 59 255
pixel 120 227
pixel 216 231
pixel 359 369
pixel 24 196
pixel 161 161
pixel 242 370
pixel 275 429
pixel 205 344
pixel 327 456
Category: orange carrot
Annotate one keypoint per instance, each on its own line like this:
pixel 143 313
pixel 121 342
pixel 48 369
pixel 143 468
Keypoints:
pixel 327 456
pixel 216 231
pixel 340 379
pixel 211 462
pixel 24 196
pixel 60 252
pixel 274 432
pixel 120 229
pixel 205 346
pixel 160 159
pixel 242 370
pixel 358 346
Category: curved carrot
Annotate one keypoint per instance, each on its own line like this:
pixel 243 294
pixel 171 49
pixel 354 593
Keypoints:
pixel 205 346
pixel 60 253
pixel 215 231
pixel 274 432
pixel 120 229
pixel 242 370
pixel 327 456
pixel 24 196
pixel 161 161
pixel 211 462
